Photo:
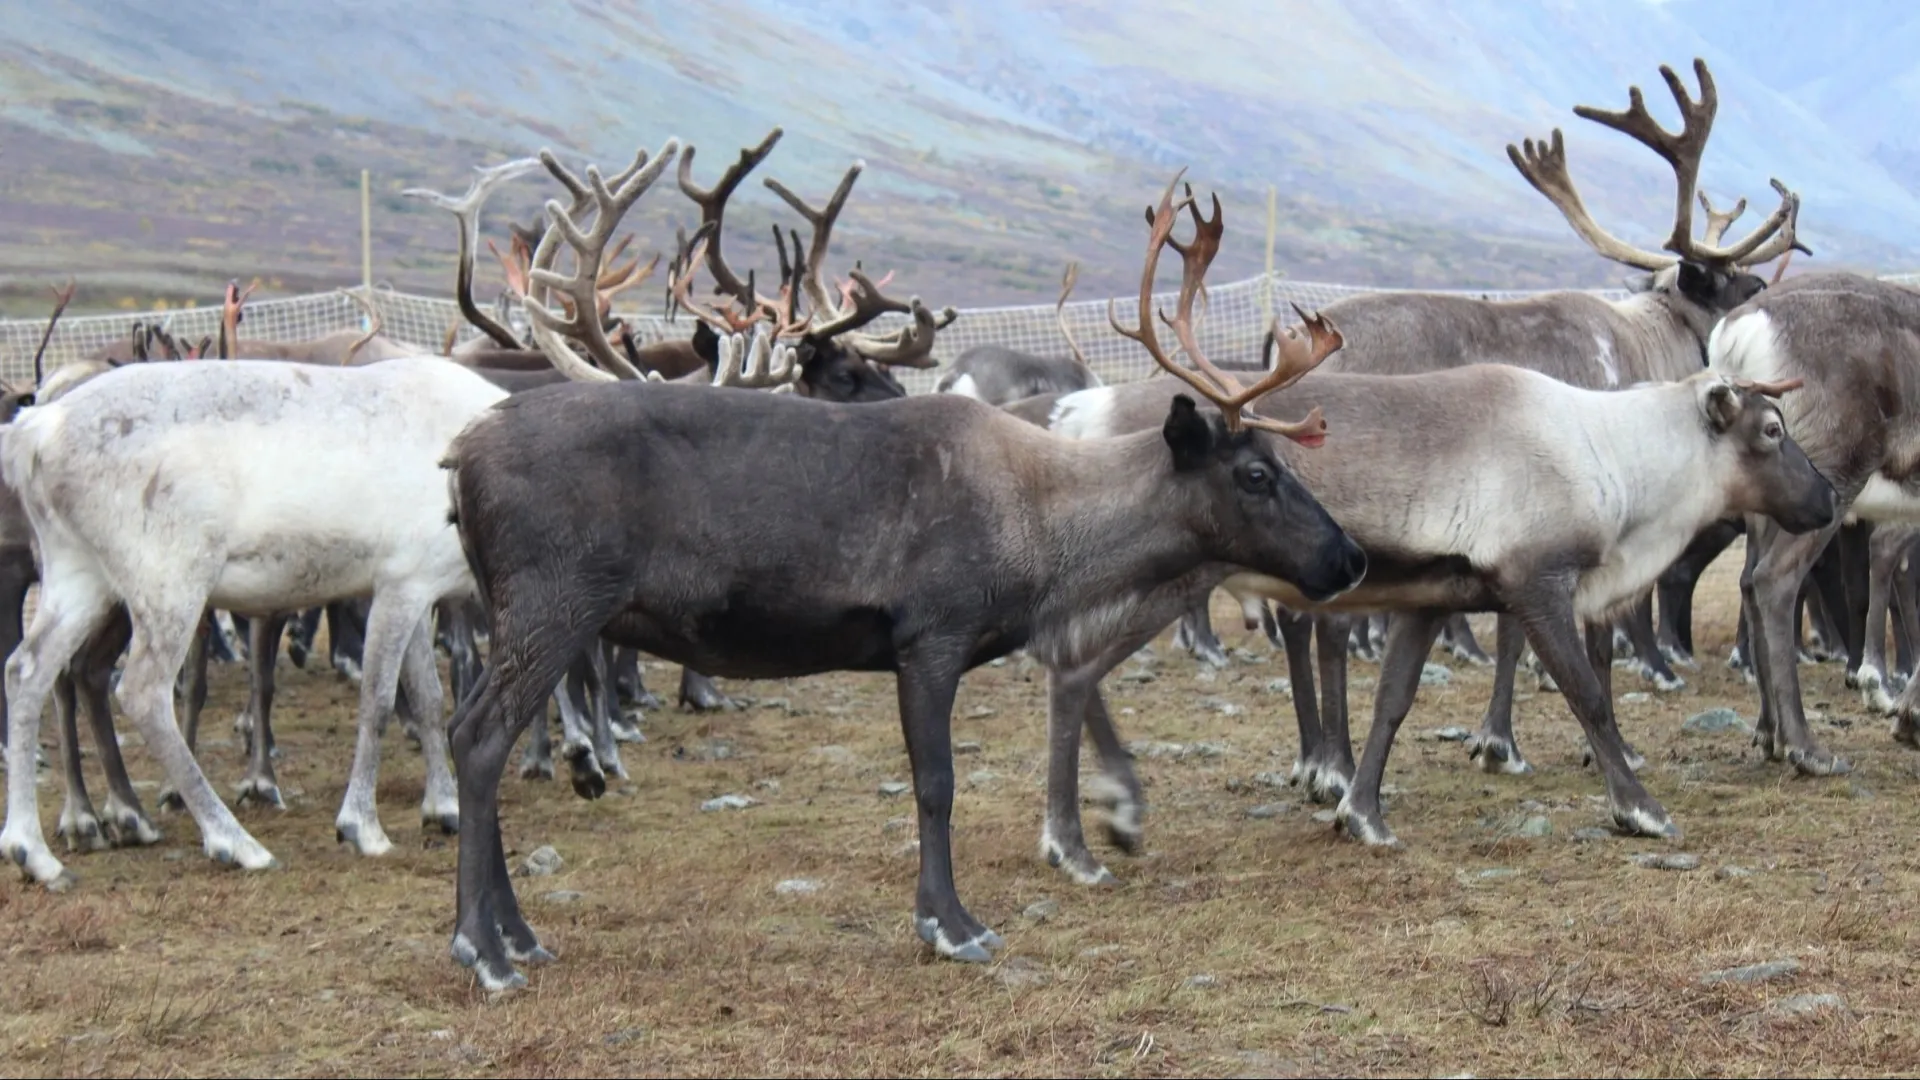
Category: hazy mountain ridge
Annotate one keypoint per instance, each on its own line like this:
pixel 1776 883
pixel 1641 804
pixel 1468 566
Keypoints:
pixel 158 149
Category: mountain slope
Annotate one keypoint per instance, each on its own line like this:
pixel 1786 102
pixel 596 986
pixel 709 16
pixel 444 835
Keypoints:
pixel 158 149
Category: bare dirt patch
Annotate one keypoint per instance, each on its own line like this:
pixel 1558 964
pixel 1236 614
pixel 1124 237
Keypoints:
pixel 1240 944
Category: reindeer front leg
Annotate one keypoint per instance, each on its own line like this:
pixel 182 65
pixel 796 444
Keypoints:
pixel 929 675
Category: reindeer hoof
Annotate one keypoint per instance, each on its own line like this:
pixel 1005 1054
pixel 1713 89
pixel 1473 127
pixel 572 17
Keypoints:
pixel 1819 763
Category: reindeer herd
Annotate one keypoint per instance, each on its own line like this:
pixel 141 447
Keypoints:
pixel 764 500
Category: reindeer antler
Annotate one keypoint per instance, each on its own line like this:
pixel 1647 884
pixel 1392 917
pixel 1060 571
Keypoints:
pixel 1545 167
pixel 611 202
pixel 374 323
pixel 466 209
pixel 61 298
pixel 1067 281
pixel 713 202
pixel 1295 358
pixel 230 315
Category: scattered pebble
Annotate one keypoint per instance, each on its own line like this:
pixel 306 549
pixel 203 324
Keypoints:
pixel 1666 860
pixel 1041 910
pixel 838 755
pixel 1280 686
pixel 899 824
pixel 1435 675
pixel 543 862
pixel 729 802
pixel 980 712
pixel 1020 971
pixel 1202 982
pixel 1753 973
pixel 1139 676
pixel 714 750
pixel 799 886
pixel 1098 951
pixel 1248 656
pixel 1728 873
pixel 891 788
pixel 982 777
pixel 768 785
pixel 624 1035
pixel 563 896
pixel 1590 834
pixel 1324 817
pixel 966 746
pixel 1271 779
pixel 1859 790
pixel 1269 810
pixel 1492 873
pixel 1450 734
pixel 1806 1004
pixel 1715 720
pixel 1635 697
pixel 1536 826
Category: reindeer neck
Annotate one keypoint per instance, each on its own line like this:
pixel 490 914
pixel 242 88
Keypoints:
pixel 1660 336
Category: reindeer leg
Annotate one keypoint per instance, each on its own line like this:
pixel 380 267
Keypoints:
pixel 624 684
pixel 929 674
pixel 605 709
pixel 1194 633
pixel 1856 560
pixel 193 673
pixel 1646 647
pixel 300 641
pixel 17 575
pixel 1296 636
pixel 346 638
pixel 1874 676
pixel 576 727
pixel 1677 583
pixel 126 822
pixel 1410 637
pixel 1600 658
pixel 1330 769
pixel 698 693
pixel 392 621
pixel 1906 594
pixel 79 826
pixel 632 683
pixel 259 784
pixel 1493 746
pixel 1457 635
pixel 1073 702
pixel 536 761
pixel 420 682
pixel 1778 564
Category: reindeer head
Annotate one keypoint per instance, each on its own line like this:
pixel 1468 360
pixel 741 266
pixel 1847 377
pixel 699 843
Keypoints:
pixel 1250 507
pixel 1768 473
pixel 1704 278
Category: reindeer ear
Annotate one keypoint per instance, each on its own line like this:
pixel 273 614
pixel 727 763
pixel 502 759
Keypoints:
pixel 1188 435
pixel 1638 283
pixel 1721 403
pixel 1698 283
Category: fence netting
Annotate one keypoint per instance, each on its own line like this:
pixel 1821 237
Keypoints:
pixel 1235 317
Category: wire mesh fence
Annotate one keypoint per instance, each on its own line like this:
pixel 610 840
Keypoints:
pixel 1235 319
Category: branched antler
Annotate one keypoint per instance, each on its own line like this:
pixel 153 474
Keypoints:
pixel 1296 356
pixel 610 201
pixel 466 209
pixel 1067 282
pixel 230 315
pixel 713 203
pixel 1544 164
pixel 375 323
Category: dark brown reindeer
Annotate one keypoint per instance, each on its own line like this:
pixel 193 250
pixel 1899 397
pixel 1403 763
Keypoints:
pixel 981 534
pixel 1477 488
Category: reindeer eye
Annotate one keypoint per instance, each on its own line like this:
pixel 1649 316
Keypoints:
pixel 1773 430
pixel 1256 479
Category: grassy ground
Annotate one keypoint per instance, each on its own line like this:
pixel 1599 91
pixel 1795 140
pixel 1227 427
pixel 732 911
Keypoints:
pixel 1238 945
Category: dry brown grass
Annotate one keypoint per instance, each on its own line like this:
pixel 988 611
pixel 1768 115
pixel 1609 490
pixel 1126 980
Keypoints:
pixel 1323 957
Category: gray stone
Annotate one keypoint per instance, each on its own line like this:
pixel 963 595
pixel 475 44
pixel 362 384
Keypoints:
pixel 1536 826
pixel 1202 982
pixel 837 755
pixel 1714 721
pixel 768 785
pixel 1666 860
pixel 1590 834
pixel 1021 971
pixel 982 777
pixel 898 824
pixel 1492 873
pixel 966 746
pixel 1806 1004
pixel 563 896
pixel 624 1035
pixel 1635 697
pixel 798 886
pixel 1280 686
pixel 1324 817
pixel 1450 734
pixel 543 862
pixel 1138 676
pixel 1269 810
pixel 729 802
pixel 890 788
pixel 1247 656
pixel 1271 779
pixel 980 712
pixel 1730 872
pixel 1041 910
pixel 1754 973
pixel 1435 675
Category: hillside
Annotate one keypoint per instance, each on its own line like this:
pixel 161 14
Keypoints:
pixel 156 150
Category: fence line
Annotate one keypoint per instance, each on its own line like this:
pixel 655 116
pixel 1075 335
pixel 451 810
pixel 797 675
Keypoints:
pixel 1231 327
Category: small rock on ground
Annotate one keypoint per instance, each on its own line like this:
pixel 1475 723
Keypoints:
pixel 798 887
pixel 624 1035
pixel 1271 779
pixel 982 777
pixel 1715 720
pixel 1280 686
pixel 1021 971
pixel 1635 697
pixel 1202 982
pixel 966 746
pixel 1435 675
pixel 1753 973
pixel 1729 872
pixel 891 788
pixel 838 755
pixel 729 802
pixel 1537 825
pixel 543 862
pixel 1590 834
pixel 563 896
pixel 1806 1004
pixel 1450 734
pixel 1324 817
pixel 1041 910
pixel 1269 810
pixel 1666 860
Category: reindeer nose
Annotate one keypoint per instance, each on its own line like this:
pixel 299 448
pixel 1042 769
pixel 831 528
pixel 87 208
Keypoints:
pixel 1353 564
